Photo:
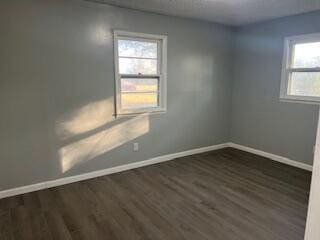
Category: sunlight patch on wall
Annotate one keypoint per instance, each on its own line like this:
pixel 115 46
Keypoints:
pixel 87 118
pixel 102 142
pixel 101 35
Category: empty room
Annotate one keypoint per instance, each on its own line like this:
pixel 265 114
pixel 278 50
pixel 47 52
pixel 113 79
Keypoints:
pixel 159 120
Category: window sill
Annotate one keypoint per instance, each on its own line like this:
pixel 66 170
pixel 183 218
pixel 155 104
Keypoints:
pixel 121 115
pixel 301 101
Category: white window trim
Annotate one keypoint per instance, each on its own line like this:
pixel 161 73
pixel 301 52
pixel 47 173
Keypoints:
pixel 162 74
pixel 286 64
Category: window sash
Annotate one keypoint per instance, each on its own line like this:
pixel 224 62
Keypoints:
pixel 299 70
pixel 141 77
pixel 142 39
pixel 291 53
pixel 158 77
pixel 139 110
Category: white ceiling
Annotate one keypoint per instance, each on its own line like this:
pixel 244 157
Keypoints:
pixel 230 12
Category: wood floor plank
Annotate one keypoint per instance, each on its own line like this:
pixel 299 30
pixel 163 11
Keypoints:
pixel 6 225
pixel 223 195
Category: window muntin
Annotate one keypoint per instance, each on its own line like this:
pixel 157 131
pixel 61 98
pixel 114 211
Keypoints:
pixel 301 68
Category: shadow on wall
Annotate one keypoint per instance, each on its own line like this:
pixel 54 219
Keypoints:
pixel 91 117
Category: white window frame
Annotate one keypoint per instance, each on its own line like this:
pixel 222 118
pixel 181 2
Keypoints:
pixel 287 69
pixel 161 75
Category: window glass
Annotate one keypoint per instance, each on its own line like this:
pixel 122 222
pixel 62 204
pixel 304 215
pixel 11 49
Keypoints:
pixel 138 66
pixel 305 84
pixel 139 85
pixel 137 49
pixel 306 55
pixel 139 100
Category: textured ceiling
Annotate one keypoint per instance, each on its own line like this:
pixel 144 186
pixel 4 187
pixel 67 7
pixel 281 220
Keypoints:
pixel 230 12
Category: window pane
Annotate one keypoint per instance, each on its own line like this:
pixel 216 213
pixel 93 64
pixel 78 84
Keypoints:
pixel 139 100
pixel 137 49
pixel 139 84
pixel 305 84
pixel 137 66
pixel 306 55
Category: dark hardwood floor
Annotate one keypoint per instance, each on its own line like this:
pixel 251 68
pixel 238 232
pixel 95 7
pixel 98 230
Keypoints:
pixel 221 195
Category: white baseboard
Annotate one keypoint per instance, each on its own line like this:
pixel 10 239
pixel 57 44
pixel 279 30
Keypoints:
pixel 273 157
pixel 99 173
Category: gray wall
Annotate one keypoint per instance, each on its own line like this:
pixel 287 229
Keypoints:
pixel 57 89
pixel 259 119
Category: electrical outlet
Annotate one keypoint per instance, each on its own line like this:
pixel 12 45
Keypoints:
pixel 135 147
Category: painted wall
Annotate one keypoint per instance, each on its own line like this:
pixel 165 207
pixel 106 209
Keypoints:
pixel 259 119
pixel 57 89
pixel 313 218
